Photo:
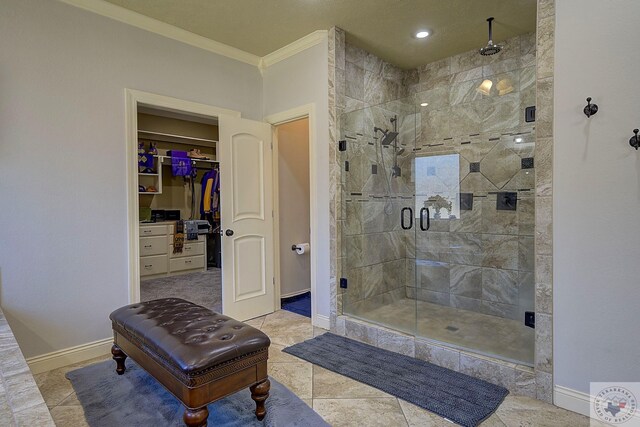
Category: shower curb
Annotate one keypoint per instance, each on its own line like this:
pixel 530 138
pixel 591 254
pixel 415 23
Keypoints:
pixel 518 379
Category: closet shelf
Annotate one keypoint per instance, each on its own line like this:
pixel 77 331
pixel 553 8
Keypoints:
pixel 169 137
pixel 147 174
pixel 161 158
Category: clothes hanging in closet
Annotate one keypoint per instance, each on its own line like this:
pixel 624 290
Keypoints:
pixel 209 205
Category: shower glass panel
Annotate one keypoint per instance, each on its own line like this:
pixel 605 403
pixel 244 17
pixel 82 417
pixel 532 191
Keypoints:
pixel 475 188
pixel 437 221
pixel 378 208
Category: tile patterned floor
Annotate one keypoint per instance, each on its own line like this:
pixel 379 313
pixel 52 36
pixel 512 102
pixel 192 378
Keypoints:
pixel 341 401
pixel 509 339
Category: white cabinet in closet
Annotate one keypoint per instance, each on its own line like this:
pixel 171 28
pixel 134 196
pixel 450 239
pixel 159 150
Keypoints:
pixel 156 252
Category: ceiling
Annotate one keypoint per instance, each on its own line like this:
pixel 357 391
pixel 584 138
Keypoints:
pixel 383 27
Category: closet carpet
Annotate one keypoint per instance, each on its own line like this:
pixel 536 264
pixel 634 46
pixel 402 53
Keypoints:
pixel 202 288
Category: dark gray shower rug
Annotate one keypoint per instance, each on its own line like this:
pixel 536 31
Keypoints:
pixel 458 397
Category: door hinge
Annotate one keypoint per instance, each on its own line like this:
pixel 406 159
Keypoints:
pixel 274 281
pixel 343 282
pixel 272 145
pixel 530 319
pixel 342 145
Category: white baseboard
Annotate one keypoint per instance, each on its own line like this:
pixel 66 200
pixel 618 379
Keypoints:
pixel 572 400
pixel 577 401
pixel 69 356
pixel 322 322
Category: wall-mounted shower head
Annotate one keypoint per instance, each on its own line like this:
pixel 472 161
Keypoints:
pixel 490 48
pixel 387 135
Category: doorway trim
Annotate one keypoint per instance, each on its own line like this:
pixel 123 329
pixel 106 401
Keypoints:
pixel 301 112
pixel 133 99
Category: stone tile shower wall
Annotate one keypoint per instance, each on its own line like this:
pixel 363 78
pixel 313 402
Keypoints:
pixel 482 258
pixel 374 242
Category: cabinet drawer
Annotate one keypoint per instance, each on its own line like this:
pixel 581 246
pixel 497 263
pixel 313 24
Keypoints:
pixel 201 238
pixel 188 249
pixel 153 265
pixel 153 230
pixel 153 245
pixel 186 263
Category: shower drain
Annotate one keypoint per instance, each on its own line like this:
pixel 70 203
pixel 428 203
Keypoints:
pixel 451 328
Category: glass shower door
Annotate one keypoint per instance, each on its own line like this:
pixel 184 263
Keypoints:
pixel 378 229
pixel 474 248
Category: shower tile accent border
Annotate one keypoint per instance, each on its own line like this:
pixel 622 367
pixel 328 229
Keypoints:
pixel 521 380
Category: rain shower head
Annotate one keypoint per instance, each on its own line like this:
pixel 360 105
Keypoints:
pixel 387 136
pixel 490 48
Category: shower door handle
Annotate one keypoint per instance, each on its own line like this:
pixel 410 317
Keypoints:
pixel 422 212
pixel 402 215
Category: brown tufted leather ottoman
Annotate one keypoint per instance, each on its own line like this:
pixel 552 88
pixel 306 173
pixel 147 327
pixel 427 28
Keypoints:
pixel 200 356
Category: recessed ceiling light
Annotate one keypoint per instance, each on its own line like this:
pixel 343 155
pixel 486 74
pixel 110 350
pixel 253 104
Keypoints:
pixel 422 34
pixel 424 104
pixel 519 139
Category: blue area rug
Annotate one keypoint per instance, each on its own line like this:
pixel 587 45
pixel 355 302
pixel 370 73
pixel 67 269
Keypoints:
pixel 300 304
pixel 460 398
pixel 137 399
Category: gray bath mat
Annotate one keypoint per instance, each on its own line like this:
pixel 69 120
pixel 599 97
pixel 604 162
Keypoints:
pixel 458 397
pixel 137 399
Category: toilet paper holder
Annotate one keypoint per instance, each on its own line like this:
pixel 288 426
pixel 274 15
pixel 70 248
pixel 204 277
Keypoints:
pixel 300 248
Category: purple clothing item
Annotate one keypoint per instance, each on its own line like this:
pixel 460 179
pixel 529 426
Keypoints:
pixel 215 176
pixel 180 163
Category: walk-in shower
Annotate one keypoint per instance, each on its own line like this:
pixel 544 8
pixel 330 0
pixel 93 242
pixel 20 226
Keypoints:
pixel 438 210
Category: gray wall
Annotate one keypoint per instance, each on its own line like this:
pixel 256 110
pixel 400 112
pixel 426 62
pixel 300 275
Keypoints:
pixel 596 195
pixel 296 81
pixel 63 239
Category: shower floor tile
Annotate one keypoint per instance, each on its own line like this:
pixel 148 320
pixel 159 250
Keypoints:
pixel 480 333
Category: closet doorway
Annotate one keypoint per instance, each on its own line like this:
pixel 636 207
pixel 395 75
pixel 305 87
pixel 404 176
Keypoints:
pixel 200 191
pixel 179 207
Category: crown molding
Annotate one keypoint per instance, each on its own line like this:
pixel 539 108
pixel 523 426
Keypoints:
pixel 293 48
pixel 136 19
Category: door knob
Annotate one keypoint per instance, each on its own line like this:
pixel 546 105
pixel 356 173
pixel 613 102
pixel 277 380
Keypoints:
pixel 229 232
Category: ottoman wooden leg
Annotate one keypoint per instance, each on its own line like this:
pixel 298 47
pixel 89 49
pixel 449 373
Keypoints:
pixel 196 417
pixel 259 393
pixel 119 357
